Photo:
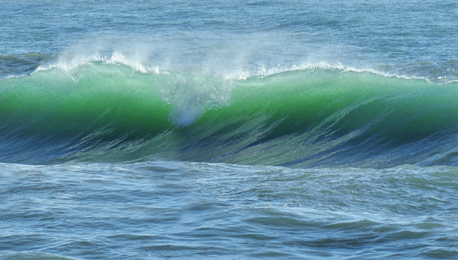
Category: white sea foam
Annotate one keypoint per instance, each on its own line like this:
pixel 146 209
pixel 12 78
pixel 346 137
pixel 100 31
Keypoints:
pixel 227 57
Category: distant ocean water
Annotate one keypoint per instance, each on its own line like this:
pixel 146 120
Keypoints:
pixel 228 129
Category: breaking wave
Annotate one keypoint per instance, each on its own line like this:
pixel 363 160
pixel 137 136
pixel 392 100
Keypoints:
pixel 309 116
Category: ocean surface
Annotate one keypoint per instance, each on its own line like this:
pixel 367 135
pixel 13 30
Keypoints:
pixel 228 129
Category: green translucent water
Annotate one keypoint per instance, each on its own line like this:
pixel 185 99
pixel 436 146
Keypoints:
pixel 228 129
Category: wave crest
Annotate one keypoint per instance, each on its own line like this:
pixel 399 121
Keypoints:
pixel 298 118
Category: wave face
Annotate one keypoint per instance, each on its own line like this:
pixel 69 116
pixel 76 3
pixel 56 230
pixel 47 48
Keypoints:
pixel 306 118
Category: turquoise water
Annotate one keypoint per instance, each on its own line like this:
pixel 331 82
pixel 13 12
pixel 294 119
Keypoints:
pixel 228 130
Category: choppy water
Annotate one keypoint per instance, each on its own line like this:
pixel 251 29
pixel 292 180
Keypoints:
pixel 228 129
pixel 199 210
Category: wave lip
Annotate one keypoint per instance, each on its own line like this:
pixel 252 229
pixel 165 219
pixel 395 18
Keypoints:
pixel 107 111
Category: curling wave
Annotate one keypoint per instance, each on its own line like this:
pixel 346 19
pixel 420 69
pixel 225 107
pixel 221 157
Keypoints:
pixel 300 118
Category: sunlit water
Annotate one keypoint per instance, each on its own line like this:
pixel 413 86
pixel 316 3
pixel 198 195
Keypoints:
pixel 228 130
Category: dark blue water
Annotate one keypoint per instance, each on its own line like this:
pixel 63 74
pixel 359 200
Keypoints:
pixel 228 129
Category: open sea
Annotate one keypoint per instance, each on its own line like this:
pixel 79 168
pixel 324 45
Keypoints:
pixel 235 129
